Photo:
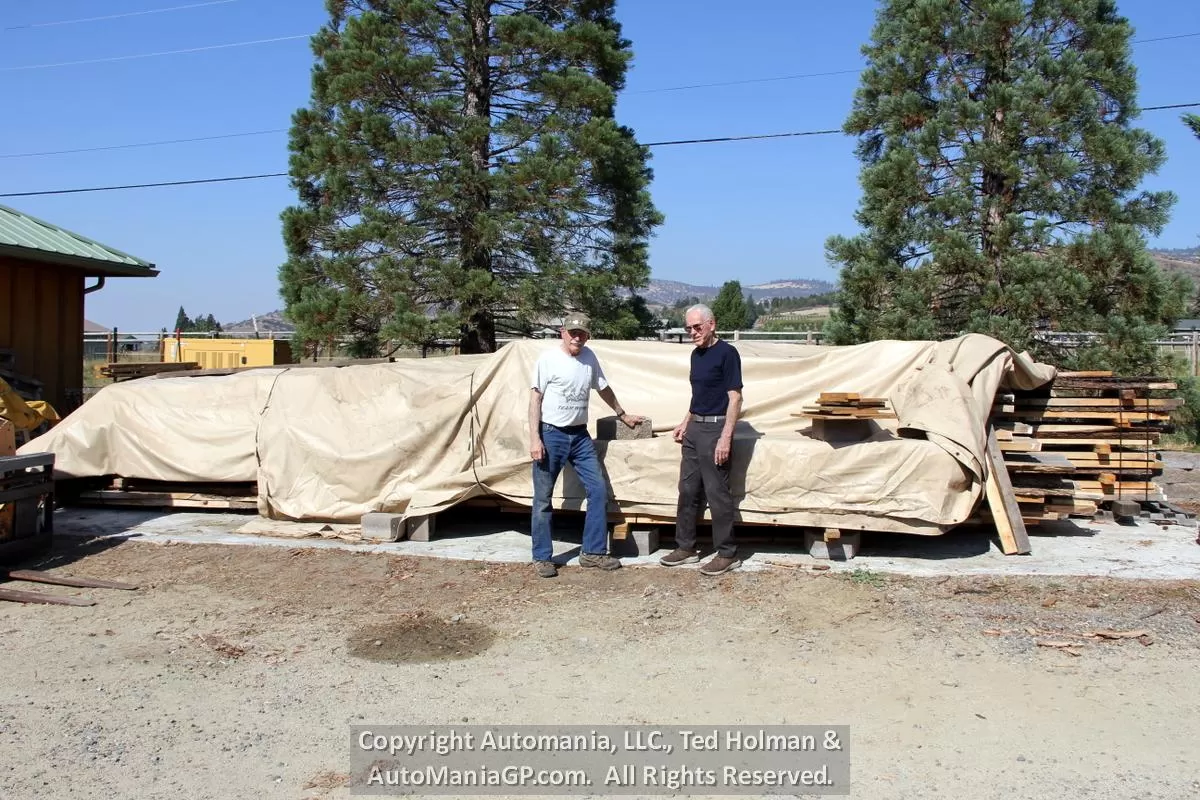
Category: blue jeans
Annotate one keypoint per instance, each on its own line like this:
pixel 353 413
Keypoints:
pixel 571 445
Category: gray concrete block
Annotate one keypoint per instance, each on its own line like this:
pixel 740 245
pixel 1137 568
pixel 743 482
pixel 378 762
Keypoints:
pixel 840 549
pixel 383 527
pixel 1126 508
pixel 421 529
pixel 610 428
pixel 637 542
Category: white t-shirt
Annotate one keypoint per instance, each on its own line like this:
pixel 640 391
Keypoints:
pixel 565 383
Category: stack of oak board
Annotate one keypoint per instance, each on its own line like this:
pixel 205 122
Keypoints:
pixel 128 370
pixel 1087 439
pixel 848 405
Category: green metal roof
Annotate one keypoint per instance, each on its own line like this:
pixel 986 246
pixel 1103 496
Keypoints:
pixel 23 236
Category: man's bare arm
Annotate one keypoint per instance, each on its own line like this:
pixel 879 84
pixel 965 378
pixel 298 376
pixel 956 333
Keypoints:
pixel 536 450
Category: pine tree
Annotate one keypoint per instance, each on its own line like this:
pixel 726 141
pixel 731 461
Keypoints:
pixel 1000 174
pixel 729 307
pixel 460 172
pixel 1193 122
pixel 182 321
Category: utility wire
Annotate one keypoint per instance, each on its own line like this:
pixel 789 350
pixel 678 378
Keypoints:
pixel 143 144
pixel 837 72
pixel 229 179
pixel 116 16
pixel 747 80
pixel 160 142
pixel 155 55
pixel 148 185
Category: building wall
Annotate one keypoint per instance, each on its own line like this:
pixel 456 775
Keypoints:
pixel 41 321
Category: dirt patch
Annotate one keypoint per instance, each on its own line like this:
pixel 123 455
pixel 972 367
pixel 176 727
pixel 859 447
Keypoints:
pixel 238 671
pixel 418 639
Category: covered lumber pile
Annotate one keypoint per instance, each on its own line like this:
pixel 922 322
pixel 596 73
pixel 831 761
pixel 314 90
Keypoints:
pixel 1088 438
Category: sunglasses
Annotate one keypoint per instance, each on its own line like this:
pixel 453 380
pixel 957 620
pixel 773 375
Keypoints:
pixel 699 326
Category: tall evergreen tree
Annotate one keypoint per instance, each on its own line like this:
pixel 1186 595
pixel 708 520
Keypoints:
pixel 729 307
pixel 1193 122
pixel 182 321
pixel 1000 174
pixel 460 171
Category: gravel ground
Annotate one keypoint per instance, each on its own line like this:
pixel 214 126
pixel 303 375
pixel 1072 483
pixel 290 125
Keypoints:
pixel 236 672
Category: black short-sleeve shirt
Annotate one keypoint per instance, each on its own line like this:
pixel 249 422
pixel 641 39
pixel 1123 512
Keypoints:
pixel 715 371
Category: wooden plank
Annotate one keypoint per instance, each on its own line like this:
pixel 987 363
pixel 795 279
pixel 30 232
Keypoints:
pixel 112 497
pixel 1098 403
pixel 1115 414
pixel 37 576
pixel 18 596
pixel 1014 539
pixel 1020 446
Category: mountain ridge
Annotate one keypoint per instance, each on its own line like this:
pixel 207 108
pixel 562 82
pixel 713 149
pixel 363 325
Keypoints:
pixel 658 292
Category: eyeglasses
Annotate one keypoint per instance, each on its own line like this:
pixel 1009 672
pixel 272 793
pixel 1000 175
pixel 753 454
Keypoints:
pixel 699 326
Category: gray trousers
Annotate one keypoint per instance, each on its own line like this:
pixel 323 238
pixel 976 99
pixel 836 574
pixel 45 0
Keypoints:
pixel 700 477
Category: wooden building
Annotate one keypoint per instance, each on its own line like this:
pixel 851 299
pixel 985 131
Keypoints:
pixel 45 273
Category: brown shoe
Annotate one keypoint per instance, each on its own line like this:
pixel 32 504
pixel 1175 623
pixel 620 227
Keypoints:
pixel 600 561
pixel 546 569
pixel 677 557
pixel 720 565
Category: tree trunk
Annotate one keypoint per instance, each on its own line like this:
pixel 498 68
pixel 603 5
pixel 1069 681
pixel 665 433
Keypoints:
pixel 998 193
pixel 479 333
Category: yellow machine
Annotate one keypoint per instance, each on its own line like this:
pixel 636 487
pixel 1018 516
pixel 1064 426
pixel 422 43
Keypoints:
pixel 25 415
pixel 229 353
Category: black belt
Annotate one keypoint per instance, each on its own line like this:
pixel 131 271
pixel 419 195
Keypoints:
pixel 708 417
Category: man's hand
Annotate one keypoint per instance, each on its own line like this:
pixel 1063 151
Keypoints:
pixel 631 420
pixel 537 451
pixel 677 434
pixel 721 453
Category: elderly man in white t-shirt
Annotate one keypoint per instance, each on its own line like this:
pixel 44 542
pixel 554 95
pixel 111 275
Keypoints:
pixel 563 380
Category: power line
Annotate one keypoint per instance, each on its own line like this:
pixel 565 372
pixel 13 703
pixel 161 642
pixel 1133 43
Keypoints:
pixel 790 134
pixel 747 80
pixel 148 185
pixel 742 138
pixel 115 16
pixel 143 144
pixel 154 55
pixel 214 137
pixel 837 72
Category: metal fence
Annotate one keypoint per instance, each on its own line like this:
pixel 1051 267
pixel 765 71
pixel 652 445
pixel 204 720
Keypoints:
pixel 116 345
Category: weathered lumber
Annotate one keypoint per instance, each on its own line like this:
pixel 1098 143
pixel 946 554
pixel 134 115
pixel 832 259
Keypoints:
pixel 37 576
pixel 18 596
pixel 1010 526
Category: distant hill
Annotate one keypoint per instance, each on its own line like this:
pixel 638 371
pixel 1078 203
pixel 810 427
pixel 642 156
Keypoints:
pixel 1185 262
pixel 666 293
pixel 271 321
pixel 657 293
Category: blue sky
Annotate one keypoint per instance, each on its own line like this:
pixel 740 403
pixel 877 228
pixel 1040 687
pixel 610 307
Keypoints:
pixel 753 211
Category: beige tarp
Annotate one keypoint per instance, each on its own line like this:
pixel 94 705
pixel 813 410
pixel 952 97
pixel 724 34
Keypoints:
pixel 419 436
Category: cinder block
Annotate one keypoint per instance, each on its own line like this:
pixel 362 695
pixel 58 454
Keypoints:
pixel 843 548
pixel 636 542
pixel 421 529
pixel 383 527
pixel 1124 509
pixel 611 428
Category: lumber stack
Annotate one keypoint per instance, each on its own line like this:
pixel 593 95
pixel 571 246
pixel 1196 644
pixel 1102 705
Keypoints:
pixel 128 370
pixel 848 405
pixel 1089 438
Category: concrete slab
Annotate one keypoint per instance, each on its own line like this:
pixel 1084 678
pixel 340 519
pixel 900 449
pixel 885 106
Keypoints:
pixel 1142 550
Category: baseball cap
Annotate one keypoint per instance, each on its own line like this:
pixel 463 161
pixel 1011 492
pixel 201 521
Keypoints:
pixel 576 321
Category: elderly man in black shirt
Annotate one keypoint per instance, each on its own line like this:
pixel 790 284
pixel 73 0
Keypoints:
pixel 706 434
